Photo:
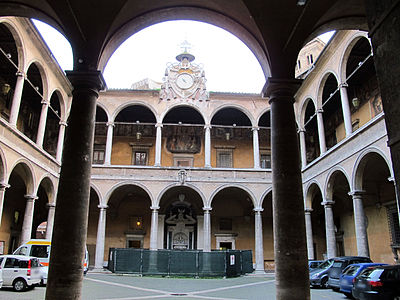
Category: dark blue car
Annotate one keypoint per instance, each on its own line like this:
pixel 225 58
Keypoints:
pixel 352 271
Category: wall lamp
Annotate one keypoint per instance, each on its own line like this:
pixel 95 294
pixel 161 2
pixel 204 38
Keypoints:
pixel 356 102
pixel 5 88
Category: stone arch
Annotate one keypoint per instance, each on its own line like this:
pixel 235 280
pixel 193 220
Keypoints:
pixel 186 13
pixel 303 106
pixel 123 183
pixel 309 191
pixel 62 102
pixel 321 85
pixel 261 114
pixel 128 104
pixel 98 193
pixel 237 107
pixel 179 105
pixel 360 164
pixel 49 187
pixel 106 112
pixel 239 186
pixel 3 166
pixel 264 195
pixel 43 75
pixel 328 188
pixel 18 41
pixel 25 170
pixel 191 186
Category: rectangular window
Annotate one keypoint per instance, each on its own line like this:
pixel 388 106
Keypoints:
pixel 140 158
pixel 183 160
pixel 265 161
pixel 98 154
pixel 224 159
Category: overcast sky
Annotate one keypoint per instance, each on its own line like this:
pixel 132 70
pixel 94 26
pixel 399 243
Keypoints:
pixel 229 65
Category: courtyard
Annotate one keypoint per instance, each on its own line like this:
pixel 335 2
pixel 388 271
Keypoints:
pixel 126 287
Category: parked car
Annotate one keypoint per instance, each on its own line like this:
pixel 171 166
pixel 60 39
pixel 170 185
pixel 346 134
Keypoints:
pixel 20 272
pixel 382 282
pixel 339 263
pixel 313 264
pixel 351 272
pixel 319 276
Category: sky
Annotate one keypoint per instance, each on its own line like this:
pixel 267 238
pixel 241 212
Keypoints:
pixel 229 64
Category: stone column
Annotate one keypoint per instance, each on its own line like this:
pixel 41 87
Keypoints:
pixel 60 142
pixel 154 227
pixel 109 143
pixel 330 229
pixel 50 220
pixel 3 187
pixel 256 148
pixel 71 217
pixel 383 17
pixel 290 246
pixel 101 237
pixel 157 161
pixel 346 109
pixel 207 146
pixel 360 222
pixel 321 131
pixel 207 229
pixel 16 101
pixel 160 232
pixel 42 123
pixel 303 148
pixel 259 240
pixel 309 233
pixel 28 218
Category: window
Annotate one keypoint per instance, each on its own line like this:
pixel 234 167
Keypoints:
pixel 41 251
pixel 140 158
pixel 98 155
pixel 394 228
pixel 183 160
pixel 265 161
pixel 224 159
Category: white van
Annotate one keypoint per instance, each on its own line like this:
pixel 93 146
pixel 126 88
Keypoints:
pixel 41 249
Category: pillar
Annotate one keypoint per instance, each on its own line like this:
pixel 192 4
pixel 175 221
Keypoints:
pixel 160 233
pixel 110 130
pixel 207 146
pixel 346 109
pixel 50 220
pixel 16 101
pixel 28 218
pixel 207 229
pixel 259 240
pixel 154 227
pixel 383 17
pixel 330 228
pixel 256 148
pixel 158 145
pixel 101 237
pixel 290 246
pixel 70 221
pixel 303 148
pixel 321 131
pixel 309 234
pixel 3 187
pixel 360 223
pixel 42 123
pixel 60 142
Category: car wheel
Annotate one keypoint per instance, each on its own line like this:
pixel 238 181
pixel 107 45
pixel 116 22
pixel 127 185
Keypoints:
pixel 324 283
pixel 348 295
pixel 19 285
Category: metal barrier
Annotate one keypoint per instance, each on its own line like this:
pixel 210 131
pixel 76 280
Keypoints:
pixel 194 263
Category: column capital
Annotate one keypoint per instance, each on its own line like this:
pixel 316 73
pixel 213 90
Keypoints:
pixel 154 207
pixel 20 74
pixel 301 129
pixel 51 205
pixel 207 126
pixel 63 123
pixel 159 125
pixel 102 206
pixel 308 210
pixel 356 193
pixel 110 124
pixel 320 110
pixel 93 80
pixel 4 185
pixel 343 85
pixel 31 197
pixel 207 209
pixel 255 128
pixel 280 87
pixel 45 102
pixel 327 203
pixel 258 209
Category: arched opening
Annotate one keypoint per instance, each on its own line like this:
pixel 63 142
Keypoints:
pixel 182 137
pixel 311 132
pixel 379 202
pixel 100 136
pixel 231 136
pixel 314 195
pixel 41 210
pixel 134 137
pixel 8 61
pixel 332 112
pixel 31 103
pixel 268 233
pixel 52 125
pixel 93 221
pixel 343 216
pixel 232 220
pixel 264 136
pixel 182 219
pixel 128 218
pixel 363 89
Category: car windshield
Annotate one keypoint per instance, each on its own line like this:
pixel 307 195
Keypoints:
pixel 326 264
pixel 337 264
pixel 352 270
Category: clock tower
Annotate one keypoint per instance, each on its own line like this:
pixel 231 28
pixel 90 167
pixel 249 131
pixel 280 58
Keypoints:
pixel 184 80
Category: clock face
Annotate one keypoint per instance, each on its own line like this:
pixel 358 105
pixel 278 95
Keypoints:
pixel 184 81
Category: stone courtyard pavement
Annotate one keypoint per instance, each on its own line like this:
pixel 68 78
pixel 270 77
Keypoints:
pixel 126 287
